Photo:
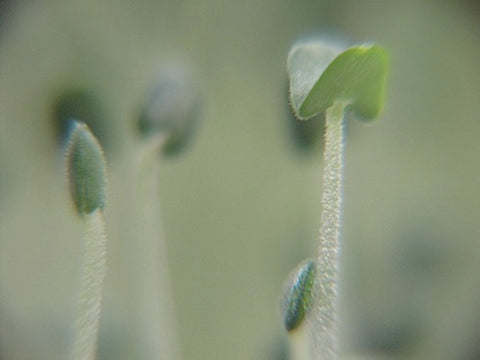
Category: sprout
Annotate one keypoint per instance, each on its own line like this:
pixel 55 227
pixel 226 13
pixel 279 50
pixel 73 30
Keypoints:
pixel 87 177
pixel 167 123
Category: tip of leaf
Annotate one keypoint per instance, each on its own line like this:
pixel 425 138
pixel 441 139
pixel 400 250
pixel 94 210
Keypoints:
pixel 87 171
pixel 299 294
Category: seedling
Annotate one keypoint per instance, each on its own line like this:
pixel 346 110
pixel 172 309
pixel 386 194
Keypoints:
pixel 87 176
pixel 166 124
pixel 326 80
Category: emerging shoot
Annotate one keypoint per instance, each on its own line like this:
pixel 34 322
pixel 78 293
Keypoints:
pixel 325 80
pixel 87 180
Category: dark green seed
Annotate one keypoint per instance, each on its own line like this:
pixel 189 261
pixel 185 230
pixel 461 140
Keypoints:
pixel 300 294
pixel 86 170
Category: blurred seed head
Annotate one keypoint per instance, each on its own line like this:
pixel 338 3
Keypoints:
pixel 172 106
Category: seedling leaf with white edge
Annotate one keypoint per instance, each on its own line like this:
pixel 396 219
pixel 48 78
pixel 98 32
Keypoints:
pixel 356 76
pixel 305 64
pixel 87 171
pixel 299 294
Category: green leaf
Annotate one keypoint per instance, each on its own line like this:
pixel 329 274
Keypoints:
pixel 299 294
pixel 87 171
pixel 321 75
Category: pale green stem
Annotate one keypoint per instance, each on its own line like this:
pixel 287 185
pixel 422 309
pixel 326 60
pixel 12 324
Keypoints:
pixel 94 269
pixel 155 307
pixel 325 318
pixel 300 343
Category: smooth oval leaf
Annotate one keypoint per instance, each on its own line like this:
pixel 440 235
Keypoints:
pixel 357 76
pixel 87 171
pixel 299 294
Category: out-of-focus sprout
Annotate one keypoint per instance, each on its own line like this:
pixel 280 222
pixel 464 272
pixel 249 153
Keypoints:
pixel 172 107
pixel 167 123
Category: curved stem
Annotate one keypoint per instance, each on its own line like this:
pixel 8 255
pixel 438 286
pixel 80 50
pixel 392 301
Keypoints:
pixel 94 269
pixel 325 316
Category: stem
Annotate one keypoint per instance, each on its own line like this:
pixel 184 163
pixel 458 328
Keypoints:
pixel 94 269
pixel 153 288
pixel 300 344
pixel 325 323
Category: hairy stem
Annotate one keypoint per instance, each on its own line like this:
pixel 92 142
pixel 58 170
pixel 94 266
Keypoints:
pixel 94 269
pixel 325 317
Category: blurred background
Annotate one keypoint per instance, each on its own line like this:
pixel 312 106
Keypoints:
pixel 240 204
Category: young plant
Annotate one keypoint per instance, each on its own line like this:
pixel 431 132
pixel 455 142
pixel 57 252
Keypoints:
pixel 325 80
pixel 87 176
pixel 167 123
